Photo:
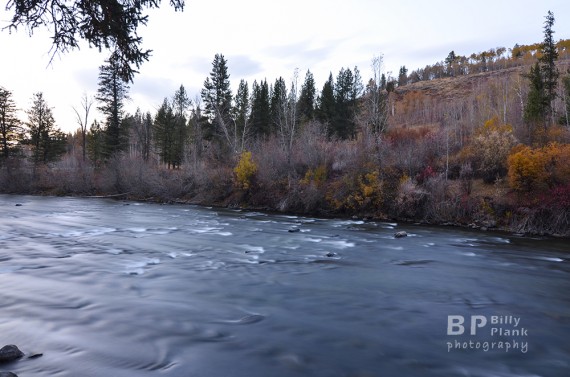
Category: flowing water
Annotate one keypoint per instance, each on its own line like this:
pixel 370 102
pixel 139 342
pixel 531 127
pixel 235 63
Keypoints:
pixel 109 288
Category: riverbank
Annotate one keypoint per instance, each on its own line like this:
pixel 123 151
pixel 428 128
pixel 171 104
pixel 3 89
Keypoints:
pixel 378 195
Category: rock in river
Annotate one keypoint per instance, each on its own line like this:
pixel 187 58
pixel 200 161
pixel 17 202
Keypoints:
pixel 8 374
pixel 10 353
pixel 401 234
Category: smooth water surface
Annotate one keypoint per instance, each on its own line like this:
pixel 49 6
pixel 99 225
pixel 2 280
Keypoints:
pixel 109 288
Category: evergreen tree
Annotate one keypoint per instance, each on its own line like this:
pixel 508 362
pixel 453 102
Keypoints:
pixel 181 102
pixel 47 141
pixel 260 118
pixel 543 79
pixel 111 94
pixel 180 106
pixel 278 99
pixel 347 89
pixel 217 97
pixel 535 108
pixel 383 81
pixel 357 86
pixel 449 62
pixel 326 111
pixel 96 142
pixel 548 65
pixel 307 98
pixel 403 76
pixel 164 131
pixel 10 128
pixel 242 113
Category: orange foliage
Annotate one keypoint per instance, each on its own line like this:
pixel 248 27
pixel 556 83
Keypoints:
pixel 537 169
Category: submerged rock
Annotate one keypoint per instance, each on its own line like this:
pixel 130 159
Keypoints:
pixel 10 353
pixel 18 204
pixel 401 234
pixel 8 374
pixel 294 230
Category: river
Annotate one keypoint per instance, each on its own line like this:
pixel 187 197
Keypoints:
pixel 112 288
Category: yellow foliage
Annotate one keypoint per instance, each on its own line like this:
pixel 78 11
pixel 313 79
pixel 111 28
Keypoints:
pixel 492 145
pixel 245 170
pixel 534 169
pixel 351 195
pixel 493 125
pixel 317 176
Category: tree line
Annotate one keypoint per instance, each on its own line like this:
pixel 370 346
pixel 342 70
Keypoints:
pixel 291 145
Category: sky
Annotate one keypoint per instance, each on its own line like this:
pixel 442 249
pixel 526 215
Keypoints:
pixel 267 39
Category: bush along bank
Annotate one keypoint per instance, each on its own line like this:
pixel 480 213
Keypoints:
pixel 376 178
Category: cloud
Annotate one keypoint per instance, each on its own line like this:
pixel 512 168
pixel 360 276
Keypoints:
pixel 243 66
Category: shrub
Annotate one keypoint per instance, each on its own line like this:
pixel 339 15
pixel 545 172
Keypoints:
pixel 492 143
pixel 364 192
pixel 538 169
pixel 245 171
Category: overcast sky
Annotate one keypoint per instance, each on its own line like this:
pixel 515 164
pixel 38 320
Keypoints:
pixel 267 39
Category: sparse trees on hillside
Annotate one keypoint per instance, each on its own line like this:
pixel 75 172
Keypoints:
pixel 10 127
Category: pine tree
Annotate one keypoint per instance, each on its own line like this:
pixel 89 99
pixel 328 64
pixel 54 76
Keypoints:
pixel 278 100
pixel 260 118
pixel 326 111
pixel 242 113
pixel 164 130
pixel 217 98
pixel 111 94
pixel 180 105
pixel 96 142
pixel 347 90
pixel 403 76
pixel 548 65
pixel 535 109
pixel 10 128
pixel 46 140
pixel 543 79
pixel 307 98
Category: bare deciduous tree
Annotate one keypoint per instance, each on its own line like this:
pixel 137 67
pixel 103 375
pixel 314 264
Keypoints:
pixel 82 120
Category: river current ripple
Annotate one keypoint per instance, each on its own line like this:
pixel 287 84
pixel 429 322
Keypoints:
pixel 110 288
